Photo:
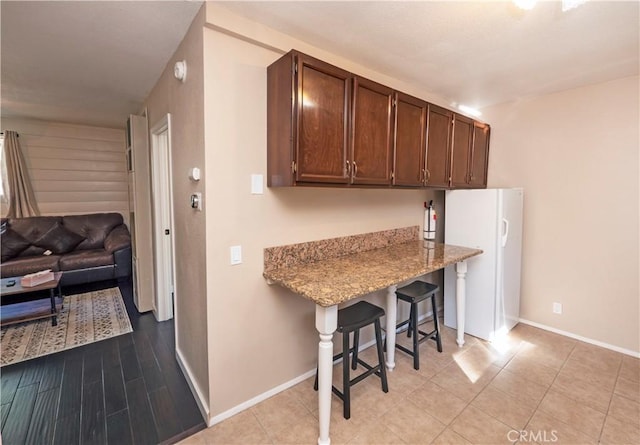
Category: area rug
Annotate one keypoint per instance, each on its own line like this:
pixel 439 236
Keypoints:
pixel 85 318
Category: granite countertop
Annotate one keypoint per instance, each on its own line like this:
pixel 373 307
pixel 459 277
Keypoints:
pixel 335 280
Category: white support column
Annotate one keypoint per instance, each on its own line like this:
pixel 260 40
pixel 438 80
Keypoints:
pixel 326 324
pixel 461 269
pixel 391 313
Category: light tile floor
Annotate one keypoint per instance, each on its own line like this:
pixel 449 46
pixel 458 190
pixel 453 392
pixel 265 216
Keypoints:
pixel 536 387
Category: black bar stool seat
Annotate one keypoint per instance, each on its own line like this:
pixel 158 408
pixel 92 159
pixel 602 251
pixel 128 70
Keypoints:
pixel 413 294
pixel 352 319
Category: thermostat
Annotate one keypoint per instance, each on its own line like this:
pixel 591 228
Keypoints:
pixel 180 70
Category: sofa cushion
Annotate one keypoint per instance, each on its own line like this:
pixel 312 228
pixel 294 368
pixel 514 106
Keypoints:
pixel 82 259
pixel 31 229
pixel 34 227
pixel 118 239
pixel 32 251
pixel 59 240
pixel 94 227
pixel 12 244
pixel 20 266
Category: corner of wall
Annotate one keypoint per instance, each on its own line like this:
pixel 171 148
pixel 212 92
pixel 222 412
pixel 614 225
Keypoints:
pixel 201 400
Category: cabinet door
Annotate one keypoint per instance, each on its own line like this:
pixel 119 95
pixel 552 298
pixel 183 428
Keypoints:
pixel 439 124
pixel 479 155
pixel 461 151
pixel 410 139
pixel 322 124
pixel 371 133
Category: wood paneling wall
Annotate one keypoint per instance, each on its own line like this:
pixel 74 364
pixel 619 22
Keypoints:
pixel 74 169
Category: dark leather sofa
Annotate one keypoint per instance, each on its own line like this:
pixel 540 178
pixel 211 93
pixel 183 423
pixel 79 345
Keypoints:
pixel 86 248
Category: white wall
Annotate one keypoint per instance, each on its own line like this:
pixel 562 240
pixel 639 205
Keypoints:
pixel 74 169
pixel 576 155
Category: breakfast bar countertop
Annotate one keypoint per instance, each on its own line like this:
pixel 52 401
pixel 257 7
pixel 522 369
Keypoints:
pixel 335 280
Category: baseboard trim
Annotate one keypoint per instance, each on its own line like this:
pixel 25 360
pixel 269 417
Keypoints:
pixel 581 338
pixel 259 398
pixel 272 392
pixel 195 389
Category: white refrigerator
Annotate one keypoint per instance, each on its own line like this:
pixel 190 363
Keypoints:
pixel 491 220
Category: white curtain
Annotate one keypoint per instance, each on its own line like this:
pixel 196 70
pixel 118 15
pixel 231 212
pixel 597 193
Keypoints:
pixel 22 200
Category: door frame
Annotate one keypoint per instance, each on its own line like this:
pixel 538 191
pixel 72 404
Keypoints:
pixel 161 192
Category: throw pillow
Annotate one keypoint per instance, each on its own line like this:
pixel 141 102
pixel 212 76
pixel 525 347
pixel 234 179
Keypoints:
pixel 59 240
pixel 12 244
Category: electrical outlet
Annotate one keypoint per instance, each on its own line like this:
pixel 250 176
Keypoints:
pixel 557 308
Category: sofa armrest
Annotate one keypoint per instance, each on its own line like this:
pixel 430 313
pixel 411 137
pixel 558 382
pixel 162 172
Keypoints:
pixel 119 238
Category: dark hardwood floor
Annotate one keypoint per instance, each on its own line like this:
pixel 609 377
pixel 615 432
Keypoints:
pixel 124 390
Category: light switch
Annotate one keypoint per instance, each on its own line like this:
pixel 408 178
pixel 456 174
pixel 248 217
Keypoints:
pixel 236 255
pixel 196 201
pixel 256 185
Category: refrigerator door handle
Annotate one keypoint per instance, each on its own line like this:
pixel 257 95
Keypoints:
pixel 505 235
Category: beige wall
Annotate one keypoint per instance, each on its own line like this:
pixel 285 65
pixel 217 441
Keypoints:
pixel 576 155
pixel 256 337
pixel 262 336
pixel 185 102
pixel 74 169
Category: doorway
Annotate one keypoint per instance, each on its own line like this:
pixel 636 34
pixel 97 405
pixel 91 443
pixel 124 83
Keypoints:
pixel 162 209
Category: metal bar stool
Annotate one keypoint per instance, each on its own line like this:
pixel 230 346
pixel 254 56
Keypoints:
pixel 413 294
pixel 351 319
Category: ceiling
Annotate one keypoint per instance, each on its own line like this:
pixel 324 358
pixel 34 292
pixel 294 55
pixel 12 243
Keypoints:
pixel 95 62
pixel 475 53
pixel 89 62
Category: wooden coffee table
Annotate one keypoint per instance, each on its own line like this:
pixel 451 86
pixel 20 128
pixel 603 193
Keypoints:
pixel 32 310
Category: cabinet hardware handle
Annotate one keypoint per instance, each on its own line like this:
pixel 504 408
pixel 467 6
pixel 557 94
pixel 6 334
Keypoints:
pixel 293 166
pixel 428 178
pixel 393 176
pixel 355 169
pixel 348 168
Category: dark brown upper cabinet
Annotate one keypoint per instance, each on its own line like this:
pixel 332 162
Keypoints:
pixel 479 155
pixel 439 131
pixel 326 126
pixel 371 156
pixel 410 128
pixel 470 153
pixel 461 151
pixel 308 111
